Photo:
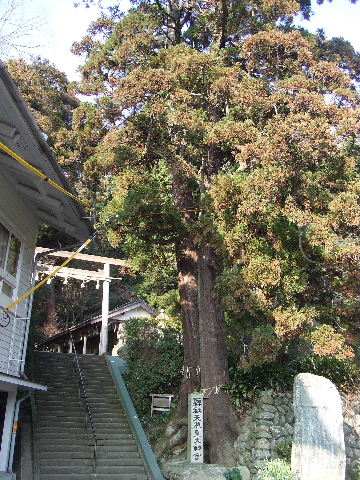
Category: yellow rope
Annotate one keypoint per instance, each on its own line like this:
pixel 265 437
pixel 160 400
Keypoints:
pixel 39 174
pixel 51 275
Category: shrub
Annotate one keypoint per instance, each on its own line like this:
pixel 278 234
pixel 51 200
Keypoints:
pixel 233 474
pixel 284 451
pixel 279 469
pixel 343 373
pixel 245 385
pixel 155 359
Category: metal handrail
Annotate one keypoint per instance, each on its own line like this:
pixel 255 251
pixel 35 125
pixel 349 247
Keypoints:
pixel 85 398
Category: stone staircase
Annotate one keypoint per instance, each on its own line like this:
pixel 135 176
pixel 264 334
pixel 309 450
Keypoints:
pixel 64 444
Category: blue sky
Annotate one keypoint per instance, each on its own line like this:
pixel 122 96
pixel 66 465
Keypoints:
pixel 339 18
pixel 61 24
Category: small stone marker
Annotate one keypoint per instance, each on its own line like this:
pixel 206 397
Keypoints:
pixel 196 428
pixel 318 450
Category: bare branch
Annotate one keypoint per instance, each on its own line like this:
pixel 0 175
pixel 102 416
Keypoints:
pixel 17 32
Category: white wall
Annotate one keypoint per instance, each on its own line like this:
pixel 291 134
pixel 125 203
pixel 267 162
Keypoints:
pixel 17 217
pixel 138 312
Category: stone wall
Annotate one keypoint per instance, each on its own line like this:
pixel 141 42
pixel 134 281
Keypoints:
pixel 268 426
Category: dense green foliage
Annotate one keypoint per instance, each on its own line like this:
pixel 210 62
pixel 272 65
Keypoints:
pixel 279 109
pixel 245 385
pixel 154 355
pixel 50 97
pixel 284 451
pixel 233 474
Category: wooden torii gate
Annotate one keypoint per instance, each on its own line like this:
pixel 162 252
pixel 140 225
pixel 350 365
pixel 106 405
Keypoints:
pixel 100 275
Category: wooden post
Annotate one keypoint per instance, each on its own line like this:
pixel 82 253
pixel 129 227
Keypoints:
pixel 59 348
pixel 84 344
pixel 105 311
pixel 70 346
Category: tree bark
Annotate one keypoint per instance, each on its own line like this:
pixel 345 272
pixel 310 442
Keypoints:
pixel 187 264
pixel 220 420
pixel 50 327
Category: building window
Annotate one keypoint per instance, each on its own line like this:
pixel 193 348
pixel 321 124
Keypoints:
pixel 10 247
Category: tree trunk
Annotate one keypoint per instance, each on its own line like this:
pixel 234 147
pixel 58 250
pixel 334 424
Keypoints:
pixel 187 262
pixel 220 420
pixel 50 327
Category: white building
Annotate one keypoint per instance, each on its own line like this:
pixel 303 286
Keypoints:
pixel 86 335
pixel 26 202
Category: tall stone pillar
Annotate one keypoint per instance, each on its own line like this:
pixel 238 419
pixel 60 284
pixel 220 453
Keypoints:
pixel 318 450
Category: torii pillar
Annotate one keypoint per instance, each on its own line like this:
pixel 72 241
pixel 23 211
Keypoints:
pixel 103 345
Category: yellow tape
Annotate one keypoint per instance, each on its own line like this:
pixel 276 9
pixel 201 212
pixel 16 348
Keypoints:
pixel 39 174
pixel 52 274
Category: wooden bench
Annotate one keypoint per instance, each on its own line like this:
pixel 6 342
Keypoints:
pixel 160 402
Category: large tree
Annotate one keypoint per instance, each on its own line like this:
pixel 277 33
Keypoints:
pixel 73 129
pixel 225 130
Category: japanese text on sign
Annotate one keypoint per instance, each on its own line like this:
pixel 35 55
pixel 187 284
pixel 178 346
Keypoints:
pixel 196 428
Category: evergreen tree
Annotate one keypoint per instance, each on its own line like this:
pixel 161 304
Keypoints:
pixel 231 146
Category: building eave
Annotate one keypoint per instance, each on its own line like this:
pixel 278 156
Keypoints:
pixel 74 220
pixel 97 320
pixel 21 383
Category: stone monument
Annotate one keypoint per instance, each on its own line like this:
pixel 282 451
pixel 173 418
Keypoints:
pixel 318 450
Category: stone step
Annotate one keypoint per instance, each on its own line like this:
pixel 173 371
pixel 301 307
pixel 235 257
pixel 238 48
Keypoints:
pixel 107 392
pixel 66 456
pixel 118 476
pixel 60 410
pixel 61 447
pixel 64 462
pixel 101 430
pixel 62 416
pixel 52 361
pixel 67 469
pixel 53 429
pixel 118 455
pixel 105 383
pixel 95 411
pixel 54 370
pixel 125 448
pixel 64 436
pixel 88 469
pixel 57 375
pixel 116 442
pixel 57 406
pixel 130 469
pixel 102 453
pixel 96 374
pixel 58 462
pixel 56 400
pixel 85 441
pixel 59 422
pixel 77 402
pixel 119 462
pixel 66 444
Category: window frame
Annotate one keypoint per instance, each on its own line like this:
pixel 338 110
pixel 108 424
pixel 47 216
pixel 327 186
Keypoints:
pixel 5 276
